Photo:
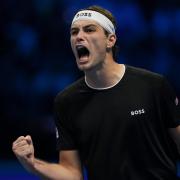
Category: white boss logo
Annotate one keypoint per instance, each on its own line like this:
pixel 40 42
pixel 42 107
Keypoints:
pixel 137 112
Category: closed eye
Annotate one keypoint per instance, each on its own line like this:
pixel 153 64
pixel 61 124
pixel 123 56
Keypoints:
pixel 74 31
pixel 89 30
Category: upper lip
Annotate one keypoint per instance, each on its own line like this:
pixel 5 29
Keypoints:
pixel 77 45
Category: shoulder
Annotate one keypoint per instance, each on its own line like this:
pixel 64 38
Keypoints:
pixel 145 76
pixel 143 73
pixel 69 91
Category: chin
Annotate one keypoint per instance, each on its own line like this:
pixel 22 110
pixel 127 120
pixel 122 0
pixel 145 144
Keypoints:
pixel 84 67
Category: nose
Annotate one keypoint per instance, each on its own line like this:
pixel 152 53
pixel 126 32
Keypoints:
pixel 80 35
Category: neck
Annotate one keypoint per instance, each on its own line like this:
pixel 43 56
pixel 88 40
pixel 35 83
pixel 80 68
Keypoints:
pixel 105 77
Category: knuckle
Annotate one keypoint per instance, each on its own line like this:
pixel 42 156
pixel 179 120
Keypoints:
pixel 21 137
pixel 13 144
pixel 13 148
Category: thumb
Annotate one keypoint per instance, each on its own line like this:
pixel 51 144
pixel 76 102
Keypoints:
pixel 28 139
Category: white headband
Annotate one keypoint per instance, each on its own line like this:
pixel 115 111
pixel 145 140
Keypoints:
pixel 96 16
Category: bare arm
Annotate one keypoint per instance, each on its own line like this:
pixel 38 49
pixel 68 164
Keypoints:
pixel 175 134
pixel 68 169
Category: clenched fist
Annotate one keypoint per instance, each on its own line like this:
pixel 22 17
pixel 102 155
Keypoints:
pixel 24 150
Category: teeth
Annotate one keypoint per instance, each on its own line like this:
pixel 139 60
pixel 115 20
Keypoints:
pixel 80 47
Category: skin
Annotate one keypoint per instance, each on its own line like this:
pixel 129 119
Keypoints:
pixel 101 71
pixel 91 35
pixel 68 169
pixel 100 68
pixel 175 134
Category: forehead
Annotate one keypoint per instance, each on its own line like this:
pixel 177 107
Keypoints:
pixel 83 23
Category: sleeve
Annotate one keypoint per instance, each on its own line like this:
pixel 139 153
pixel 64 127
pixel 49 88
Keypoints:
pixel 170 104
pixel 64 129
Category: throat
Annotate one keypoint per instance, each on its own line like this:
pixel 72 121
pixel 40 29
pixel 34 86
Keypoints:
pixel 106 82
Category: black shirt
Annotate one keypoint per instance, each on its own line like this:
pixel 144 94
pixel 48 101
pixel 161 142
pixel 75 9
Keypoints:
pixel 121 132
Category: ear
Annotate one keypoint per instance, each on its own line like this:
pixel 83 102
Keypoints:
pixel 111 40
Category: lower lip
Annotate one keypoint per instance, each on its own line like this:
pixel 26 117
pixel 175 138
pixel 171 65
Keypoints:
pixel 83 60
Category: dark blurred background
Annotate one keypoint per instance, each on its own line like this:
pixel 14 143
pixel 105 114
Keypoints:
pixel 37 62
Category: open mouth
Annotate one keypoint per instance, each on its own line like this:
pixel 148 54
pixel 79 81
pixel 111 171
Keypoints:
pixel 82 51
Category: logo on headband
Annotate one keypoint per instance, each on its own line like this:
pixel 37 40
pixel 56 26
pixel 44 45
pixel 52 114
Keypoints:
pixel 83 14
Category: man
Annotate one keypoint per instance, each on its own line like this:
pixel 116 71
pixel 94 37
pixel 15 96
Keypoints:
pixel 118 121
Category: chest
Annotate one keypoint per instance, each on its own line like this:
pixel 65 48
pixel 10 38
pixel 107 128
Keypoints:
pixel 112 113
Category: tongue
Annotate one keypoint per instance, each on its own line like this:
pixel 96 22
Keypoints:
pixel 84 58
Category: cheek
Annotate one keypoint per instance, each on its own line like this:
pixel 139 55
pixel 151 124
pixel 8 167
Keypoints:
pixel 71 41
pixel 72 45
pixel 99 44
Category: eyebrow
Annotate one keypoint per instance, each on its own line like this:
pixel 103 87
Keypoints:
pixel 86 26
